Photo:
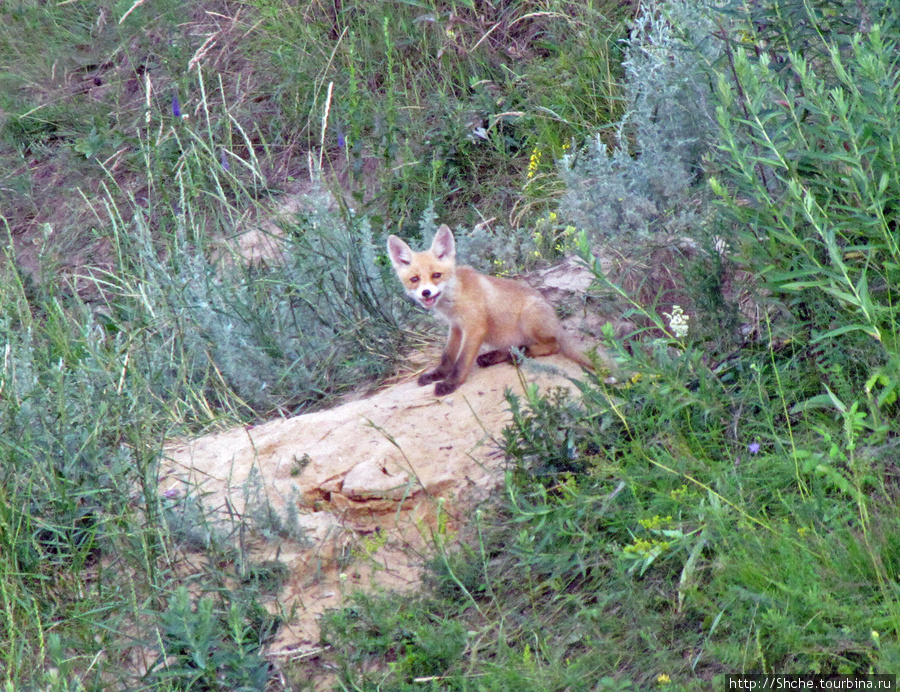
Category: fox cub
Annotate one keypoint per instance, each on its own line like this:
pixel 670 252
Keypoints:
pixel 501 313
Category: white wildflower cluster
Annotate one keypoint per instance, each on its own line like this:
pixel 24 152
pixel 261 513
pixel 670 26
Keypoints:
pixel 678 321
pixel 721 246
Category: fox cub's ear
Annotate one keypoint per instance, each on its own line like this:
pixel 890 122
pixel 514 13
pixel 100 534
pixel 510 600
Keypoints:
pixel 444 246
pixel 399 252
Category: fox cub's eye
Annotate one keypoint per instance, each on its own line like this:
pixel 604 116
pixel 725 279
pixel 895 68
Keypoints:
pixel 414 280
pixel 436 276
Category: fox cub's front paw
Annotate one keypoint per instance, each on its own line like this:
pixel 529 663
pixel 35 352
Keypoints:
pixel 429 377
pixel 445 387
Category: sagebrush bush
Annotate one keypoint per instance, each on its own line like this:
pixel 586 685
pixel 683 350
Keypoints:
pixel 634 181
pixel 320 317
pixel 78 479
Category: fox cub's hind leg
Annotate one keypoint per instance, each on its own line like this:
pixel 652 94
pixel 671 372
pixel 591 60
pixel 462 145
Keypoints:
pixel 545 333
pixel 547 348
pixel 486 360
pixel 541 340
pixel 543 348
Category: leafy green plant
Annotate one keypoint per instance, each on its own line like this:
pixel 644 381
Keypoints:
pixel 821 168
pixel 214 646
pixel 375 629
pixel 79 486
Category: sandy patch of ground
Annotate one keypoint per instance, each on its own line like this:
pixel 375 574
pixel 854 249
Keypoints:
pixel 368 482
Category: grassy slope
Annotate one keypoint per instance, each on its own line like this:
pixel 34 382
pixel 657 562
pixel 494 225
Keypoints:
pixel 693 523
pixel 732 508
pixel 132 137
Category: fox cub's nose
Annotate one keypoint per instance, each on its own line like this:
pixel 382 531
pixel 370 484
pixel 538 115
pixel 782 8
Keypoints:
pixel 426 293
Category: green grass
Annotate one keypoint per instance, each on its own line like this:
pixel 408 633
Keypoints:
pixel 409 104
pixel 638 536
pixel 727 509
pixel 134 138
pixel 730 508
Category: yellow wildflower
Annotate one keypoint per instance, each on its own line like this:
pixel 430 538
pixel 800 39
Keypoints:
pixel 534 162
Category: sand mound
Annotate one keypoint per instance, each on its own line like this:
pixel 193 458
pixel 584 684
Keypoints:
pixel 363 486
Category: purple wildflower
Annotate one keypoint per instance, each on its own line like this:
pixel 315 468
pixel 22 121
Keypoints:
pixel 225 165
pixel 342 141
pixel 176 107
pixel 753 447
